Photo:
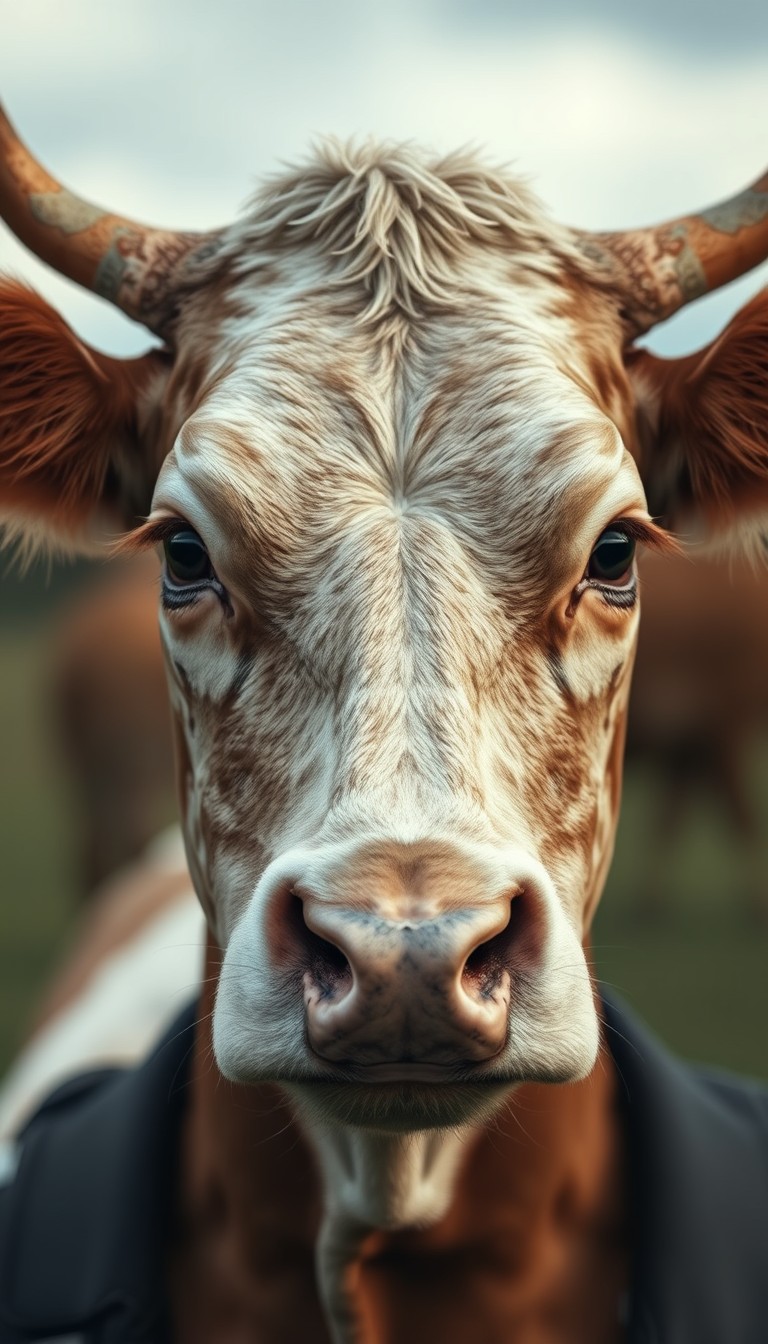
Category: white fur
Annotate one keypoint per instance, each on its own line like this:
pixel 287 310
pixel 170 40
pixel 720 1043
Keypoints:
pixel 110 1023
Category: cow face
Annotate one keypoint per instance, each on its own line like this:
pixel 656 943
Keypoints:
pixel 399 609
pixel 399 502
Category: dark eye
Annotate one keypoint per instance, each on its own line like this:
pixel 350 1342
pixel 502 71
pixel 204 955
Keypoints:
pixel 612 556
pixel 186 557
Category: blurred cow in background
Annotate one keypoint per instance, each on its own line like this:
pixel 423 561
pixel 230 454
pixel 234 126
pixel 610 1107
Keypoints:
pixel 136 946
pixel 699 707
pixel 111 719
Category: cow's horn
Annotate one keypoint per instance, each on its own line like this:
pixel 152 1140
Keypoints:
pixel 665 267
pixel 137 268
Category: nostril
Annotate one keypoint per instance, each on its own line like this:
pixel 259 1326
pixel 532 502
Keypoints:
pixel 515 948
pixel 325 963
pixel 328 966
pixel 484 967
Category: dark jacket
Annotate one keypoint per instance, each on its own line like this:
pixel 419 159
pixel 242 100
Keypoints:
pixel 84 1214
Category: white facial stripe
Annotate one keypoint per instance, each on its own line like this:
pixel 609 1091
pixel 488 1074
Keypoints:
pixel 210 665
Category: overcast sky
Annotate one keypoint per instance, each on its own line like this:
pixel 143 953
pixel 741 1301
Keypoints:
pixel 168 110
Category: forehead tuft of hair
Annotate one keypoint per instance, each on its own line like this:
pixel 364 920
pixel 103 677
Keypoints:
pixel 402 223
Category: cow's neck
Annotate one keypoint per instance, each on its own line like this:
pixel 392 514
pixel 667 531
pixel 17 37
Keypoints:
pixel 375 1181
pixel 511 1225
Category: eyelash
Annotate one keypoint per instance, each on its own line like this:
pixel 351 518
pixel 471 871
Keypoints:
pixel 617 597
pixel 623 598
pixel 175 597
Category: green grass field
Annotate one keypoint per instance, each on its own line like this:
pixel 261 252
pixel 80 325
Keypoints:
pixel 37 841
pixel 697 973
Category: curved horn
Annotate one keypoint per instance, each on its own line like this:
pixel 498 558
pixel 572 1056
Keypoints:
pixel 667 266
pixel 135 267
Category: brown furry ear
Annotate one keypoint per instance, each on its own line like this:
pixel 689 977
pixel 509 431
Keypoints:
pixel 703 428
pixel 69 425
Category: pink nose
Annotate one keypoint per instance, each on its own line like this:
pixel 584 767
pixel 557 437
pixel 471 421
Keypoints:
pixel 390 992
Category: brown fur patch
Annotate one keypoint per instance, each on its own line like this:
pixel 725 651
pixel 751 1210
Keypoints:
pixel 707 421
pixel 67 414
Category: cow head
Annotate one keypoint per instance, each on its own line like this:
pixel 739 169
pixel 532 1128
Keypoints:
pixel 399 451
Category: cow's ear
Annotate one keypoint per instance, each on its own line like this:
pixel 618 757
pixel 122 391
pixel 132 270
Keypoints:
pixel 77 459
pixel 703 430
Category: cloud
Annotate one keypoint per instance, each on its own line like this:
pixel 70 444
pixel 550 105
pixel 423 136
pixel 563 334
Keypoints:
pixel 687 28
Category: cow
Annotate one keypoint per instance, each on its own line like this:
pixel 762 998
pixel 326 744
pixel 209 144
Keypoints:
pixel 399 448
pixel 108 711
pixel 699 709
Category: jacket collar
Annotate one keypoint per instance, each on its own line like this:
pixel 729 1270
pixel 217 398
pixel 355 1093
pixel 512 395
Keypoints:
pixel 84 1223
pixel 698 1170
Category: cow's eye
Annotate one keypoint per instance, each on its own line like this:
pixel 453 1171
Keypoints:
pixel 612 556
pixel 186 557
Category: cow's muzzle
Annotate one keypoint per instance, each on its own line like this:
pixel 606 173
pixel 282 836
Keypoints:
pixel 408 986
